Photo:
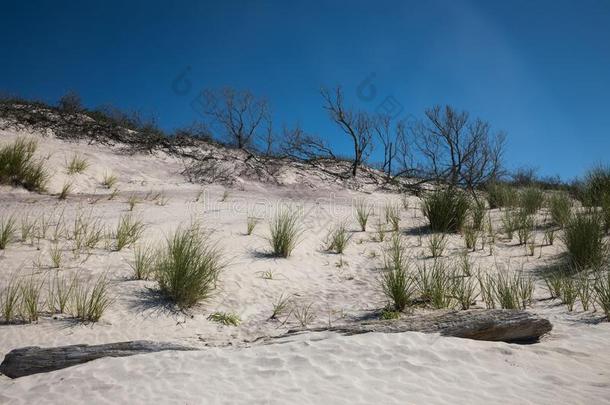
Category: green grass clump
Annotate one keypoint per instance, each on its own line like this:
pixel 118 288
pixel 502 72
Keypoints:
pixel 363 211
pixel 225 318
pixel 584 240
pixel 251 223
pixel 65 191
pixel 128 231
pixel 187 269
pixel 18 166
pixel 338 238
pixel 90 300
pixel 446 210
pixel 397 285
pixel 109 180
pixel 30 299
pixel 392 216
pixel 143 262
pixel 437 243
pixel 285 232
pixel 531 200
pixel 10 299
pixel 506 290
pixel 596 186
pixel 602 292
pixel 500 195
pixel 8 228
pixel 435 284
pixel 560 207
pixel 77 164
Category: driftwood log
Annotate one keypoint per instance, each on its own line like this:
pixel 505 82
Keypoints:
pixel 497 325
pixel 34 359
pixel 492 325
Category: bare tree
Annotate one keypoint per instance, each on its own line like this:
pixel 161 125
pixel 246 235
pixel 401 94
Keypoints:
pixel 456 149
pixel 300 145
pixel 239 114
pixel 356 124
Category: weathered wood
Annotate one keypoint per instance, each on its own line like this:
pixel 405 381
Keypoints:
pixel 512 326
pixel 34 359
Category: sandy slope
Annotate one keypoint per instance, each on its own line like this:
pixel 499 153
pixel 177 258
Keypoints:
pixel 570 365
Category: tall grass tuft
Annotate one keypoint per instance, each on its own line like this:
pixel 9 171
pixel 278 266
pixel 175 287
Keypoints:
pixel 285 232
pixel 30 299
pixel 392 216
pixel 65 191
pixel 446 210
pixel 531 200
pixel 602 293
pixel 437 242
pixel 109 180
pixel 90 300
pixel 77 164
pixel 397 285
pixel 187 270
pixel 560 206
pixel 128 231
pixel 500 195
pixel 395 256
pixel 10 298
pixel 18 166
pixel 8 229
pixel 337 239
pixel 363 211
pixel 596 186
pixel 251 223
pixel 584 240
pixel 435 284
pixel 143 262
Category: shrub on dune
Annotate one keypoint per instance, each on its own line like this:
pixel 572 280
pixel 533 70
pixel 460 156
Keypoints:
pixel 187 269
pixel 584 240
pixel 285 232
pixel 446 209
pixel 18 166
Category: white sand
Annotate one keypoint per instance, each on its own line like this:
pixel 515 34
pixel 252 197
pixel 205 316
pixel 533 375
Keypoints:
pixel 571 364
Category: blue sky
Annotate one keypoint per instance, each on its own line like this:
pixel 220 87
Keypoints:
pixel 537 69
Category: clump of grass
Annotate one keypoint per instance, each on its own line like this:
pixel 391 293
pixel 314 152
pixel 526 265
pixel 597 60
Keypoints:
pixel 61 291
pixel 569 292
pixel 596 186
pixel 251 223
pixel 435 284
pixel 398 287
pixel 500 195
pixel 583 237
pixel 363 211
pixel 8 228
pixel 304 314
pixel 10 298
pixel 525 226
pixel 531 200
pixel 187 269
pixel 465 264
pixel 477 215
pixel 87 232
pixel 437 243
pixel 553 280
pixel 392 216
pixel 77 164
pixel 446 210
pixel 27 227
pixel 381 231
pixel 65 190
pixel 509 222
pixel 18 166
pixel 132 201
pixel 507 290
pixel 281 306
pixel 560 207
pixel 584 287
pixel 464 290
pixel 395 257
pixel 471 235
pixel 109 180
pixel 225 318
pixel 337 239
pixel 143 262
pixel 30 299
pixel 90 300
pixel 285 232
pixel 56 256
pixel 128 231
pixel 602 293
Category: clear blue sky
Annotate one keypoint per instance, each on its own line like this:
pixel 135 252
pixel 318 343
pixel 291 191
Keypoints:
pixel 538 69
